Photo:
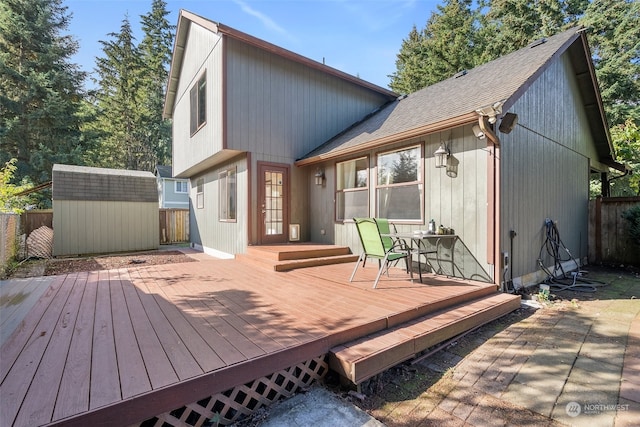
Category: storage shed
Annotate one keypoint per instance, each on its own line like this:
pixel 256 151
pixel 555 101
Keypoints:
pixel 98 210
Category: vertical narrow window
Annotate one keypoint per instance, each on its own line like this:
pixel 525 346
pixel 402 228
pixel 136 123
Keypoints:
pixel 200 193
pixel 198 104
pixel 228 195
pixel 399 185
pixel 352 189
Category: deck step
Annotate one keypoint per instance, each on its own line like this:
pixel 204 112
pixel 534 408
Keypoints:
pixel 289 257
pixel 363 358
pixel 296 251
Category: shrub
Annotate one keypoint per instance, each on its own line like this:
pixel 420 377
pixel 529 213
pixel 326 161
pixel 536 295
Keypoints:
pixel 633 217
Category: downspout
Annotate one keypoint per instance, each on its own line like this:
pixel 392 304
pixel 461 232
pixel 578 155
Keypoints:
pixel 493 192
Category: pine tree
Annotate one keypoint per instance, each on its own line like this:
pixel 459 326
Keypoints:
pixel 118 104
pixel 447 45
pixel 155 48
pixel 614 38
pixel 409 75
pixel 39 89
pixel 509 25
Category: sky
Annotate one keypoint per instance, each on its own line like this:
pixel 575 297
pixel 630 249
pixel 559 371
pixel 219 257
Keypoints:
pixel 359 37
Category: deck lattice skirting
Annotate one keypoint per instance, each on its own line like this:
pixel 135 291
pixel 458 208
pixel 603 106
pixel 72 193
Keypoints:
pixel 242 401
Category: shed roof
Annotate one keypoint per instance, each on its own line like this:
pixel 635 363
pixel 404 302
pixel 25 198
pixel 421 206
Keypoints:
pixel 453 102
pixel 101 171
pixel 102 184
pixel 185 20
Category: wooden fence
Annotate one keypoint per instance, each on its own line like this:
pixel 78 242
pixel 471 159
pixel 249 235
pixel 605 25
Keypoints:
pixel 31 220
pixel 174 226
pixel 609 239
pixel 9 232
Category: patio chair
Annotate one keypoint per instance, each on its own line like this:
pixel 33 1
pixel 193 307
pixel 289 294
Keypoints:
pixel 374 247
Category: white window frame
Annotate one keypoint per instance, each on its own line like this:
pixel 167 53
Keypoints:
pixel 200 193
pixel 349 185
pixel 181 187
pixel 198 104
pixel 384 183
pixel 228 192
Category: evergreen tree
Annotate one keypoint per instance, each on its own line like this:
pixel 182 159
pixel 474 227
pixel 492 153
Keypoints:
pixel 509 25
pixel 447 45
pixel 155 48
pixel 614 38
pixel 410 62
pixel 39 89
pixel 118 104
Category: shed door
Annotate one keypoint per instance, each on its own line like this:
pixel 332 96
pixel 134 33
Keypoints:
pixel 273 185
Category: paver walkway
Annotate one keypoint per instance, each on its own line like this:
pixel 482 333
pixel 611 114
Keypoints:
pixel 573 363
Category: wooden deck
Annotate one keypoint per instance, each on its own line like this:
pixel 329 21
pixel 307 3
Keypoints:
pixel 118 347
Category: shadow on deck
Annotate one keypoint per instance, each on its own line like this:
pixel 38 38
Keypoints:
pixel 219 338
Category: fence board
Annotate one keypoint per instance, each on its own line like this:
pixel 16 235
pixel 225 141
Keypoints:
pixel 9 229
pixel 32 220
pixel 609 239
pixel 174 226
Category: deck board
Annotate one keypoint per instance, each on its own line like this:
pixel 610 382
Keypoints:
pixel 17 297
pixel 75 383
pixel 181 359
pixel 14 387
pixel 37 408
pixel 151 349
pixel 149 337
pixel 131 368
pixel 105 382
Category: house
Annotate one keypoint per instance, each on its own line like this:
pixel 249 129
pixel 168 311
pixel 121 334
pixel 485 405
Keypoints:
pixel 172 193
pixel 243 111
pixel 277 146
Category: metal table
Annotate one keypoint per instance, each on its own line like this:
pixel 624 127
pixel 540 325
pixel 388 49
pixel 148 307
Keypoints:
pixel 419 247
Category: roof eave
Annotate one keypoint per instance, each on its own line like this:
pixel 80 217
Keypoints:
pixel 465 119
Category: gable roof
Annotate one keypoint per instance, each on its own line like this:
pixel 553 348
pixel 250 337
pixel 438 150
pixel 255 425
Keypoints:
pixel 164 171
pixel 185 20
pixel 453 102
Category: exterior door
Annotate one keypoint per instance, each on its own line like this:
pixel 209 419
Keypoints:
pixel 273 199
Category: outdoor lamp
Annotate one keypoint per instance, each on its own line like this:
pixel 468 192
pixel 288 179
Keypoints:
pixel 319 176
pixel 441 155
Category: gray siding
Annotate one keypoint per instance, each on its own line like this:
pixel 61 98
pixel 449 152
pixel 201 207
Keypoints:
pixel 277 106
pixel 203 53
pixel 545 171
pixel 280 110
pixel 89 227
pixel 206 230
pixel 171 199
pixel 459 203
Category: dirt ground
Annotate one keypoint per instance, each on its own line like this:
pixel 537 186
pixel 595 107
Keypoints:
pixel 50 267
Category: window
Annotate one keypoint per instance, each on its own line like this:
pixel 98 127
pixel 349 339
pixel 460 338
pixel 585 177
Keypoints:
pixel 181 187
pixel 228 195
pixel 200 193
pixel 352 189
pixel 399 186
pixel 198 104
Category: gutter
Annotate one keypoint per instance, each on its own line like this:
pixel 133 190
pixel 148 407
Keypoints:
pixel 493 191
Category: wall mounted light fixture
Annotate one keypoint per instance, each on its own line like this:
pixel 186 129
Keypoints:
pixel 441 155
pixel 509 121
pixel 478 132
pixel 491 111
pixel 319 176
